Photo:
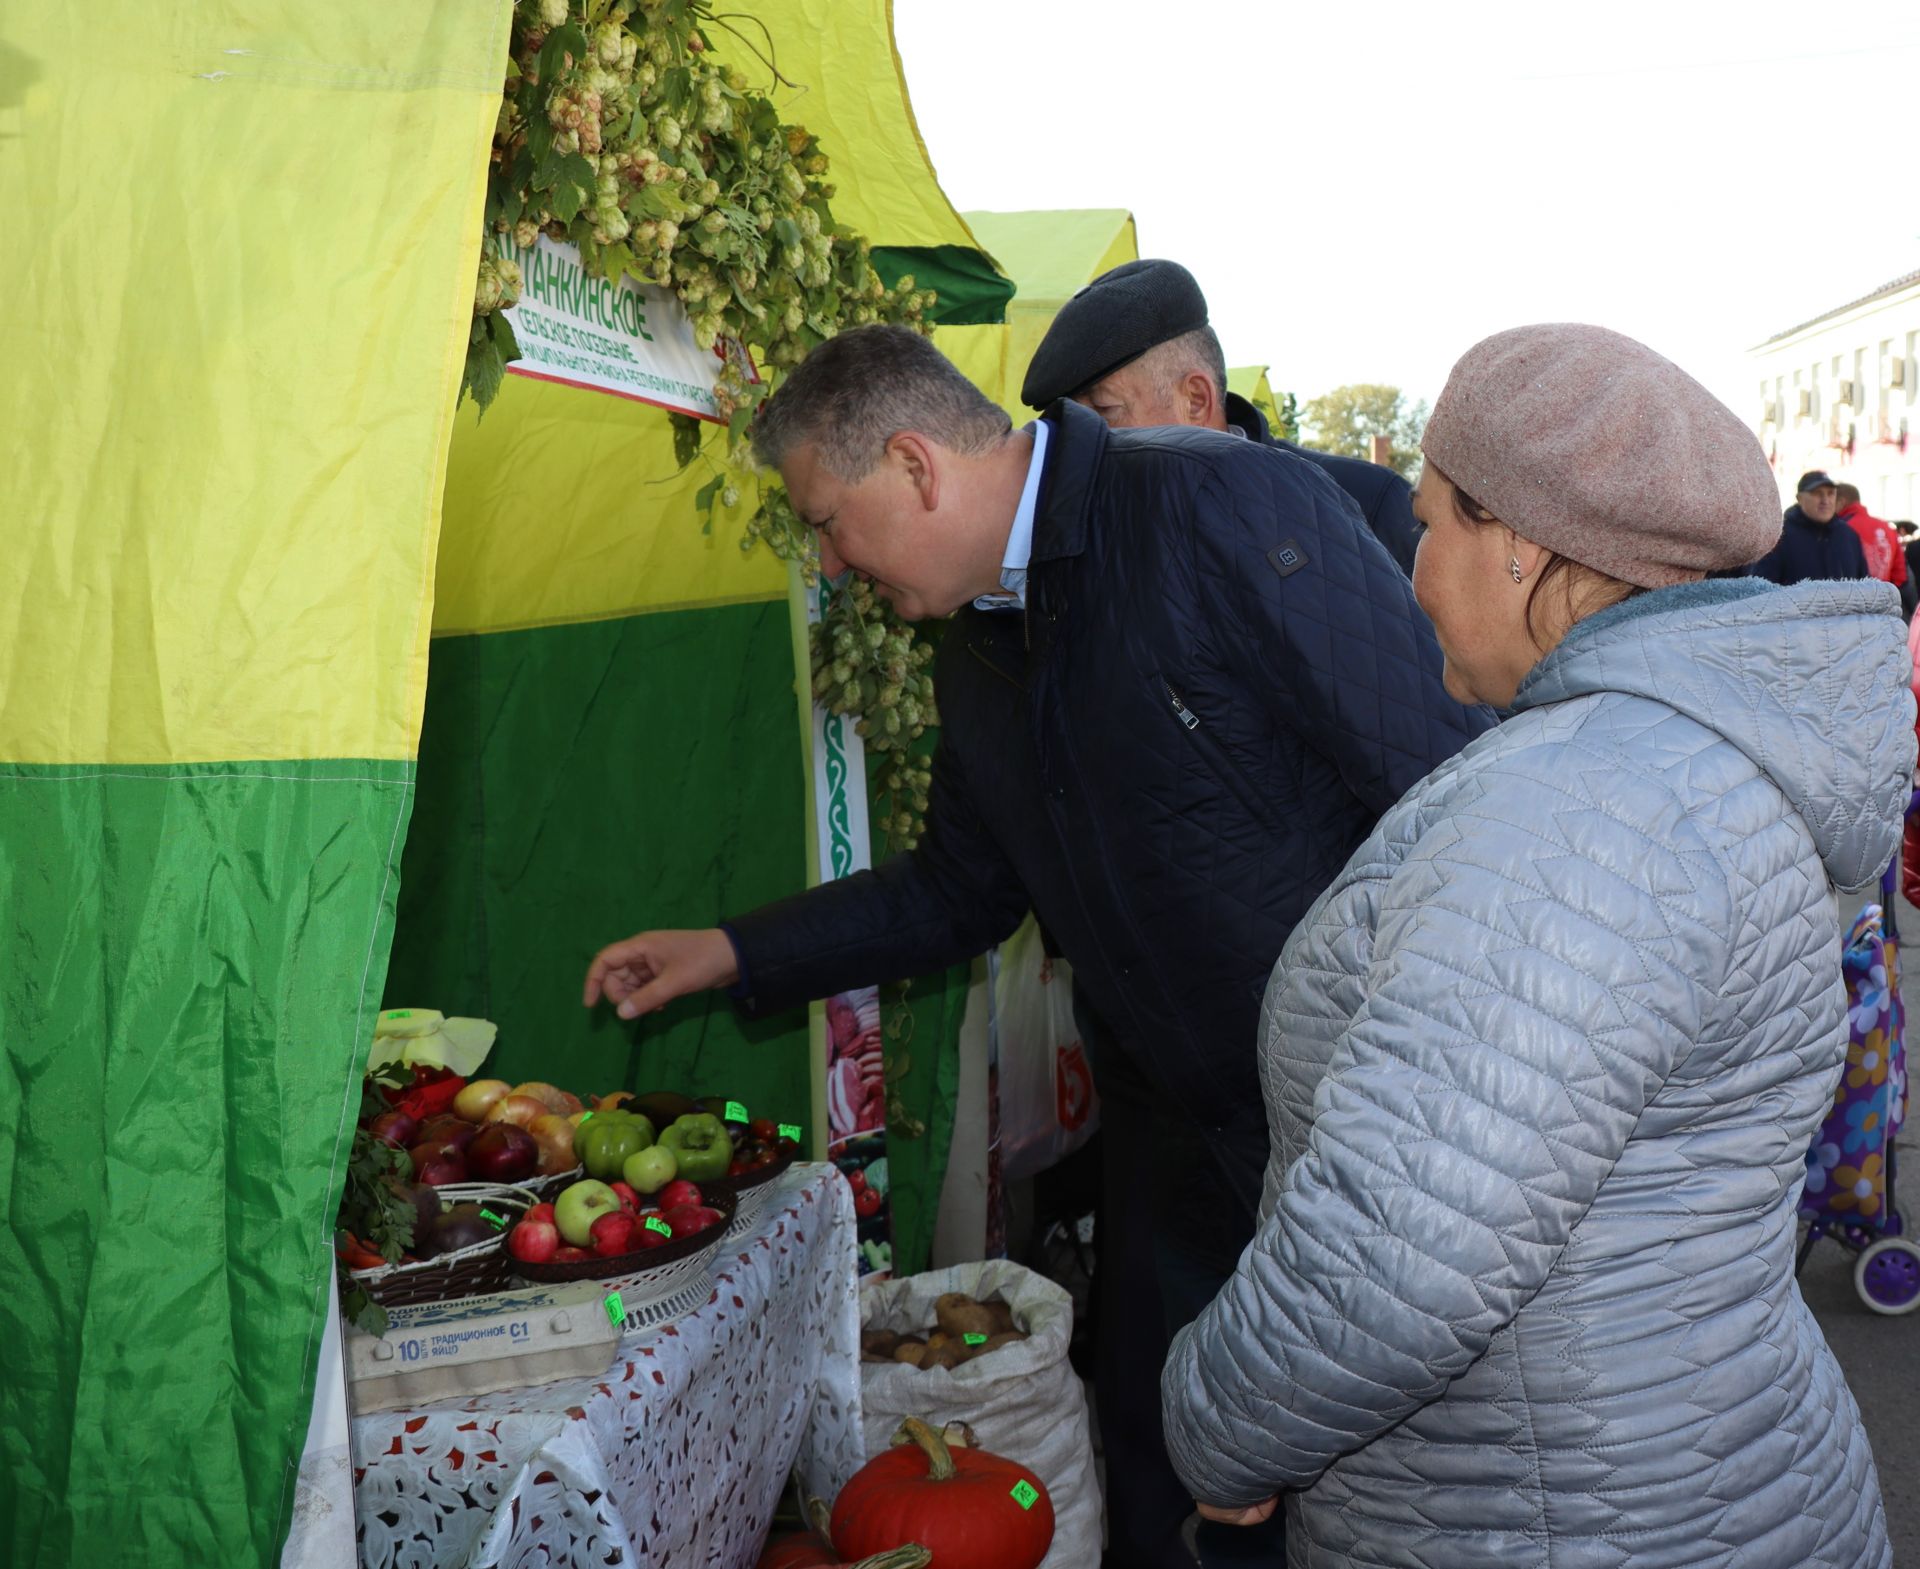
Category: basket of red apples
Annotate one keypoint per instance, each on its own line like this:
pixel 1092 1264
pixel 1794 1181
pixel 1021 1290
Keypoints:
pixel 600 1230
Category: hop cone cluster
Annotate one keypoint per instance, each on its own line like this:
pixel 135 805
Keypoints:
pixel 629 138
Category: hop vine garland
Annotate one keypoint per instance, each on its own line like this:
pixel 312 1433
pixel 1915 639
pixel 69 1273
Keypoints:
pixel 622 133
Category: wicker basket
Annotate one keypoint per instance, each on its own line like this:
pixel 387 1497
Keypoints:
pixel 546 1189
pixel 654 1287
pixel 750 1191
pixel 470 1272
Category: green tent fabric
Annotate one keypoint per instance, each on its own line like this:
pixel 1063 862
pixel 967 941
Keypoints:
pixel 576 781
pixel 215 617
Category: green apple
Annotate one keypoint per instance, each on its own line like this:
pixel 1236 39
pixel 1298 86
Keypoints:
pixel 575 1211
pixel 650 1169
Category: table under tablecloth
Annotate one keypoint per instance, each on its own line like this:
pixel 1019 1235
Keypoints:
pixel 676 1456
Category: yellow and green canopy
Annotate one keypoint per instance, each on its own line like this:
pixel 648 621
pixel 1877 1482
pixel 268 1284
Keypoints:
pixel 239 299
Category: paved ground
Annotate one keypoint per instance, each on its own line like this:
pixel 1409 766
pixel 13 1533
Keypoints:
pixel 1882 1355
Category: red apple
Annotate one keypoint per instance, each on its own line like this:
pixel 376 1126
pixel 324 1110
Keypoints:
pixel 678 1192
pixel 629 1200
pixel 651 1231
pixel 612 1233
pixel 540 1212
pixel 570 1255
pixel 689 1219
pixel 534 1241
pixel 501 1152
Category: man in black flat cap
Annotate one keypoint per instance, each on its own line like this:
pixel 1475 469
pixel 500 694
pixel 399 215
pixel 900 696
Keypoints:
pixel 1135 347
pixel 1181 684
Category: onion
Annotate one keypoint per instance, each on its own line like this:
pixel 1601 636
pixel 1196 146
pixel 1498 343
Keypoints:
pixel 554 1100
pixel 554 1135
pixel 475 1100
pixel 520 1110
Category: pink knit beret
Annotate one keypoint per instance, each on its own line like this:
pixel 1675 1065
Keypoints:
pixel 1592 445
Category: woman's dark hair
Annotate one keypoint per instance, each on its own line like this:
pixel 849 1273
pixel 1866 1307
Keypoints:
pixel 1558 567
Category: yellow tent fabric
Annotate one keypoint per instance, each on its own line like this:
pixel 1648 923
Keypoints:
pixel 1049 256
pixel 201 560
pixel 849 89
pixel 1250 381
pixel 239 293
pixel 567 506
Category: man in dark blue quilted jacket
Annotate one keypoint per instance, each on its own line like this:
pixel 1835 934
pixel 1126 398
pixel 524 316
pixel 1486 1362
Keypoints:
pixel 1182 683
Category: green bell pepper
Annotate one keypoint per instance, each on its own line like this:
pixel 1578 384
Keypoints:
pixel 701 1145
pixel 605 1140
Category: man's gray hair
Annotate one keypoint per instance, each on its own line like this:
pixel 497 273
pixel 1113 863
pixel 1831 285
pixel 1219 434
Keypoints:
pixel 856 392
pixel 1197 350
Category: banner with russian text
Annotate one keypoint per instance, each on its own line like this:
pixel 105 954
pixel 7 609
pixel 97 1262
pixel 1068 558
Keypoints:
pixel 626 338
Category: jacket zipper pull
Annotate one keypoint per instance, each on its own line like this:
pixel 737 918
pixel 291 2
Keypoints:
pixel 1181 712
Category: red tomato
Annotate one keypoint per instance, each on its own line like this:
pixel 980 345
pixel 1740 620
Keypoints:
pixel 866 1203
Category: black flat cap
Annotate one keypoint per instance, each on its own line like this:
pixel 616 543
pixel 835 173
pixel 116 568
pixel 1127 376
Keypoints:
pixel 1110 323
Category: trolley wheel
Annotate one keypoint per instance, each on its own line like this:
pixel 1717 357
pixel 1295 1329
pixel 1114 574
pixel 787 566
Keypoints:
pixel 1888 1276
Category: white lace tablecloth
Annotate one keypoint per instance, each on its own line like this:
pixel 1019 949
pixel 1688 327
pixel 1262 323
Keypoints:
pixel 676 1456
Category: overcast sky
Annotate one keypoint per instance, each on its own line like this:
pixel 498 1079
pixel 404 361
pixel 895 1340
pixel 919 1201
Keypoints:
pixel 1364 192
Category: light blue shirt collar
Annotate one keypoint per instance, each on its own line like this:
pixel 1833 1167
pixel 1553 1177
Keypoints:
pixel 1013 565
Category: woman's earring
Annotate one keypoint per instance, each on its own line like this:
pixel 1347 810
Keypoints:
pixel 1513 566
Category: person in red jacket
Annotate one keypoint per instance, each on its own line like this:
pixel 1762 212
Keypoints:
pixel 1886 559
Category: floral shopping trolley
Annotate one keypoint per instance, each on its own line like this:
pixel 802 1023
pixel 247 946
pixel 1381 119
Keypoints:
pixel 1849 1194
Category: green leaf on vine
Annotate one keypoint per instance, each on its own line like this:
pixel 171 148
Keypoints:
pixel 565 200
pixel 484 372
pixel 561 41
pixel 686 438
pixel 703 500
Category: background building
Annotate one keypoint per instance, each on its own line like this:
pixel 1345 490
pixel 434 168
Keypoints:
pixel 1838 392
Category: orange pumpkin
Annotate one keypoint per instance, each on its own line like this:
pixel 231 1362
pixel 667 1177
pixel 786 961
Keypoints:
pixel 813 1549
pixel 972 1510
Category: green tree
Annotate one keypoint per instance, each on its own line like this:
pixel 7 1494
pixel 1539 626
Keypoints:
pixel 1346 420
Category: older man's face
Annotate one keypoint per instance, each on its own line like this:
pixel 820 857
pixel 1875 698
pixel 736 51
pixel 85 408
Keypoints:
pixel 1135 395
pixel 1818 503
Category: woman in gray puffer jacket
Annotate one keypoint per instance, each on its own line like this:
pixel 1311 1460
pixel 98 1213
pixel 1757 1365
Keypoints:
pixel 1542 1065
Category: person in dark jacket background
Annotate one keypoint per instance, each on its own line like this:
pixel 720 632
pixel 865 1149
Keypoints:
pixel 1135 346
pixel 1183 684
pixel 1811 545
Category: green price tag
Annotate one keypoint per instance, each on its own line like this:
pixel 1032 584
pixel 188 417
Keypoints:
pixel 398 1013
pixel 736 1112
pixel 585 1118
pixel 655 1223
pixel 790 1130
pixel 974 1340
pixel 498 1220
pixel 617 1311
pixel 1024 1494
